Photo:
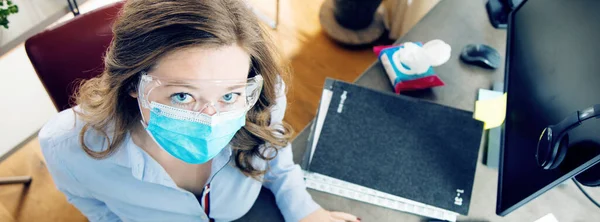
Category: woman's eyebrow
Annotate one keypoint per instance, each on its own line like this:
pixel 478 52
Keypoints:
pixel 192 87
pixel 182 85
pixel 235 87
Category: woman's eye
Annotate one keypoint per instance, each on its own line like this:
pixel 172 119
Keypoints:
pixel 230 97
pixel 181 98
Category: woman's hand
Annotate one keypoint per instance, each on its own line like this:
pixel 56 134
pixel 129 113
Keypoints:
pixel 322 215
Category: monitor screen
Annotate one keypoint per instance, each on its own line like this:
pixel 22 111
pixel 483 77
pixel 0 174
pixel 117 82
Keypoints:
pixel 552 70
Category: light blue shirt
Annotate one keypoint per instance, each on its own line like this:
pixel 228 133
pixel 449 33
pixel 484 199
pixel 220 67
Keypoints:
pixel 131 186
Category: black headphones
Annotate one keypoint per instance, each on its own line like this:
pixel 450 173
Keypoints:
pixel 554 140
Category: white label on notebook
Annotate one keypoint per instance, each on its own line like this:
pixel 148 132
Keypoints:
pixel 356 192
pixel 342 100
pixel 458 200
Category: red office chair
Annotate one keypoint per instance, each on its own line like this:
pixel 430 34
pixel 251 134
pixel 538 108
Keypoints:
pixel 72 51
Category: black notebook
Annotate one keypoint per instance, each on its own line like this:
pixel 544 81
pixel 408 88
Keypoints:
pixel 397 145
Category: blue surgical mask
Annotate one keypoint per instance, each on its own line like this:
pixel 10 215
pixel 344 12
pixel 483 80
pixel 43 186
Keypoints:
pixel 192 137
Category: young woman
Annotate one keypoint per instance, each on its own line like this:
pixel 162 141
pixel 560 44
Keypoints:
pixel 184 124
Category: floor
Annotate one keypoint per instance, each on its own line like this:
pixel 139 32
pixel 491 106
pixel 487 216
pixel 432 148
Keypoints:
pixel 313 57
pixel 18 74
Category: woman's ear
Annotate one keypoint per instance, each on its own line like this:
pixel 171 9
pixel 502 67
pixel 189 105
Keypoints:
pixel 132 91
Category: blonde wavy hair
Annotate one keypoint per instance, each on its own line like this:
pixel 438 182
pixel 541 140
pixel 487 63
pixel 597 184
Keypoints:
pixel 148 29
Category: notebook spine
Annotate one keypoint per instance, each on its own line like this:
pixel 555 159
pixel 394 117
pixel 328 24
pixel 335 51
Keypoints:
pixel 352 191
pixel 306 158
pixel 328 85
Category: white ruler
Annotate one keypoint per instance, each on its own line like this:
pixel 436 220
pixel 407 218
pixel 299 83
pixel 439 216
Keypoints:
pixel 352 191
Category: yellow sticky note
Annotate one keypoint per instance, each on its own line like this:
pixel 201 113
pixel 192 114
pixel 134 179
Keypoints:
pixel 491 111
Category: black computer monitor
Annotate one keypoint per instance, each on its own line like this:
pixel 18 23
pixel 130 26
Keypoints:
pixel 552 70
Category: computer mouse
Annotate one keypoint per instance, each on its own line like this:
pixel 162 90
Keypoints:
pixel 481 55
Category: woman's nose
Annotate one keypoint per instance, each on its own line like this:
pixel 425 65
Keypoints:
pixel 209 110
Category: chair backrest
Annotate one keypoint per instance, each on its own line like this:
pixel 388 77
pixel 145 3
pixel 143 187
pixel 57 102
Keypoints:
pixel 72 51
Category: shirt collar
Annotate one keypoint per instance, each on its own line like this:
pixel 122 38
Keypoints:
pixel 145 168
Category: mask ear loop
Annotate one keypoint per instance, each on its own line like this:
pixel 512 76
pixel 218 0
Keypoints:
pixel 143 120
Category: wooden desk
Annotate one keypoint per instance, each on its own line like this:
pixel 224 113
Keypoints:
pixel 457 22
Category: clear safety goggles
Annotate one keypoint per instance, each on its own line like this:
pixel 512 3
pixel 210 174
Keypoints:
pixel 200 96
